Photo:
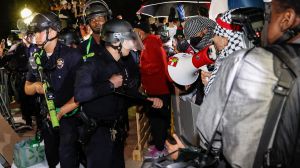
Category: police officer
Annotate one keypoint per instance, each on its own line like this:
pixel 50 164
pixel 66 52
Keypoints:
pixel 96 14
pixel 59 64
pixel 100 86
pixel 69 37
pixel 15 62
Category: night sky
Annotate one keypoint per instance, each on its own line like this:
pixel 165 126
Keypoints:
pixel 10 11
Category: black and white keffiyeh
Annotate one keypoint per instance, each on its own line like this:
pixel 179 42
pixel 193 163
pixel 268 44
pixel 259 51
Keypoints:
pixel 236 42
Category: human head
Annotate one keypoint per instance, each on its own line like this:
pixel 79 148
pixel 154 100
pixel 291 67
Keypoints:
pixel 163 33
pixel 200 31
pixel 12 39
pixel 69 37
pixel 228 36
pixel 285 16
pixel 119 35
pixel 96 14
pixel 143 29
pixel 45 26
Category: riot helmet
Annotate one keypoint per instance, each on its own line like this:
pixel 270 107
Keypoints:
pixel 68 37
pixel 117 30
pixel 93 9
pixel 44 21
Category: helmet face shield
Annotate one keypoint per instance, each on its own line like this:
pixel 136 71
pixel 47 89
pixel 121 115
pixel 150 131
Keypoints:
pixel 132 41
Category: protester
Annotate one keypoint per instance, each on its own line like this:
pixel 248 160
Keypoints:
pixel 155 82
pixel 241 98
pixel 228 39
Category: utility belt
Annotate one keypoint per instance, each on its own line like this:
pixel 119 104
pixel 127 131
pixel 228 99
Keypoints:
pixel 90 126
pixel 110 123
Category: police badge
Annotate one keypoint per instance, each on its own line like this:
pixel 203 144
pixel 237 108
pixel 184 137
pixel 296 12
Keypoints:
pixel 60 63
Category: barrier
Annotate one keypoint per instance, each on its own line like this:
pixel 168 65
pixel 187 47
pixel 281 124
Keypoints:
pixel 143 135
pixel 8 138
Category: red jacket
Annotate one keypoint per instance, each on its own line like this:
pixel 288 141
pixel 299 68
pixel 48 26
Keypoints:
pixel 153 66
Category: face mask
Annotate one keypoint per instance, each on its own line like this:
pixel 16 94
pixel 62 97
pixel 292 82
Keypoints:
pixel 194 41
pixel 9 43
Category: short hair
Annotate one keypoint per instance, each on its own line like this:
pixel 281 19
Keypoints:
pixel 286 4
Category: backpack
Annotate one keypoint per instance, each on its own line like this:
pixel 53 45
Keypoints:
pixel 279 145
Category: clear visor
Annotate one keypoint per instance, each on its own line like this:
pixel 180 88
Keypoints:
pixel 133 43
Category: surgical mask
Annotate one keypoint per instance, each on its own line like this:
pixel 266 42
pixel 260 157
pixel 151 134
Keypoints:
pixel 9 43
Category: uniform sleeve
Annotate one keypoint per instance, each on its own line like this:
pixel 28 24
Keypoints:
pixel 87 87
pixel 134 93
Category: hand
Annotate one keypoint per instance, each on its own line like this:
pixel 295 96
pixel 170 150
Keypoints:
pixel 117 80
pixel 171 148
pixel 157 103
pixel 205 77
pixel 39 87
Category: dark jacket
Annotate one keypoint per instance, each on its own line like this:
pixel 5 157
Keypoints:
pixel 60 76
pixel 96 93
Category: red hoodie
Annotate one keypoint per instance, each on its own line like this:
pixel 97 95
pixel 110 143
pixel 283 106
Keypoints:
pixel 153 66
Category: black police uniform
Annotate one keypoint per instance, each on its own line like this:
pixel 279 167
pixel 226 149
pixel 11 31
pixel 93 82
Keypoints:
pixel 16 64
pixel 101 102
pixel 89 48
pixel 60 68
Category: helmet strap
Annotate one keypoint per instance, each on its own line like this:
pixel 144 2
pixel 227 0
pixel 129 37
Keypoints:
pixel 119 48
pixel 47 38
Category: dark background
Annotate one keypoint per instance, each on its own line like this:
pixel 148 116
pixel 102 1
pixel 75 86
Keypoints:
pixel 10 11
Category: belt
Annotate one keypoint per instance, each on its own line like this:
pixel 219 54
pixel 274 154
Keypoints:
pixel 109 123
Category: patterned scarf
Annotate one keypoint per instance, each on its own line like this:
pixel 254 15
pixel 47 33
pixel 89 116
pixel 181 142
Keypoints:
pixel 236 42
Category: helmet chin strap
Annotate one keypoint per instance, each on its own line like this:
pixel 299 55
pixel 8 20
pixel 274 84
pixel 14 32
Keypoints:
pixel 119 48
pixel 47 39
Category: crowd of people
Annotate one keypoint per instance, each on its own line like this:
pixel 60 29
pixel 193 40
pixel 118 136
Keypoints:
pixel 95 71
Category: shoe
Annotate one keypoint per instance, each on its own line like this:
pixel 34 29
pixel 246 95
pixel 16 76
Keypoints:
pixel 155 153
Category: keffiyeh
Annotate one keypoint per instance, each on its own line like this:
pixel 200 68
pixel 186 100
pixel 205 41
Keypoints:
pixel 235 37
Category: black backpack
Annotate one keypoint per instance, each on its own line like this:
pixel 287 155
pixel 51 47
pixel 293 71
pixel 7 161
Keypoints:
pixel 279 145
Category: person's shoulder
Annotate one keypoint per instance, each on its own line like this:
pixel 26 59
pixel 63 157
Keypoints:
pixel 85 42
pixel 250 52
pixel 153 40
pixel 152 37
pixel 69 51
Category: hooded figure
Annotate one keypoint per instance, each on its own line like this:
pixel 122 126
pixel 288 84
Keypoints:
pixel 236 41
pixel 200 31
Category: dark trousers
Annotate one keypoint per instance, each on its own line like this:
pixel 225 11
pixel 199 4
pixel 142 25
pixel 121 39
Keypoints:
pixel 160 120
pixel 62 146
pixel 51 140
pixel 102 152
pixel 69 148
pixel 29 105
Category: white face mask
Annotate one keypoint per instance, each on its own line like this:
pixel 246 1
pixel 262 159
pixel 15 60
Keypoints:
pixel 8 42
pixel 33 40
